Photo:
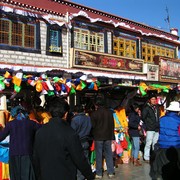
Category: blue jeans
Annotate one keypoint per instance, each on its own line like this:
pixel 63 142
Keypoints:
pixel 151 140
pixel 85 146
pixel 135 147
pixel 104 148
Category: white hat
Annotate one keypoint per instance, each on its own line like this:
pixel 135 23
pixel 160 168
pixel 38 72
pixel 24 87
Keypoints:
pixel 174 106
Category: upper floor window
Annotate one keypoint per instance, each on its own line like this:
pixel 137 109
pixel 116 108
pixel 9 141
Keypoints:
pixel 88 40
pixel 17 34
pixel 54 40
pixel 151 50
pixel 124 46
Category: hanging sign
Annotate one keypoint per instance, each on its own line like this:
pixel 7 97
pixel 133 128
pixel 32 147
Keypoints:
pixel 102 61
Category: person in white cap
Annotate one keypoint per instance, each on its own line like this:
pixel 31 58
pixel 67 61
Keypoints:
pixel 170 127
pixel 166 158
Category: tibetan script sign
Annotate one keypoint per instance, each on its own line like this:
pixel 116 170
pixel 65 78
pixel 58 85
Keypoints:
pixel 93 60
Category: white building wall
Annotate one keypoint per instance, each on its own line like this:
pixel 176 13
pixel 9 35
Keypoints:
pixel 35 59
pixel 109 37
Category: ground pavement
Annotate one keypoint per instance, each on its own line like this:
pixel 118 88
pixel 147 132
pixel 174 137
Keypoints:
pixel 131 172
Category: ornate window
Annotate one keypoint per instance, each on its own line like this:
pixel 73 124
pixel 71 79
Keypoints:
pixel 150 50
pixel 88 40
pixel 17 34
pixel 124 46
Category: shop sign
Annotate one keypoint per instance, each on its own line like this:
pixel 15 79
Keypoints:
pixel 55 49
pixel 152 72
pixel 169 70
pixel 102 61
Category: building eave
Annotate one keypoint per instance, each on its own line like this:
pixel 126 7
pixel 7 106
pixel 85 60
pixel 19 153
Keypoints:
pixel 61 7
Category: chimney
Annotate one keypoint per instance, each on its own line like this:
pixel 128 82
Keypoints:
pixel 174 31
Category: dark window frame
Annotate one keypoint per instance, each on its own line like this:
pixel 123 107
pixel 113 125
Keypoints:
pixel 54 27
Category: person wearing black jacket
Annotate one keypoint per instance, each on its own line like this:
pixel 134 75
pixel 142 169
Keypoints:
pixel 103 134
pixel 57 149
pixel 150 116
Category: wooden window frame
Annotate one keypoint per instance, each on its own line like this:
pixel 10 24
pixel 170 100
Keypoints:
pixel 121 49
pixel 159 50
pixel 89 40
pixel 18 43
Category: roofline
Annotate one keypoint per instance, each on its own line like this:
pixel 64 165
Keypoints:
pixel 80 7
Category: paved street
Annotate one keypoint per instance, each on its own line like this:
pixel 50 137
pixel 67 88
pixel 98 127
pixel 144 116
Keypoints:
pixel 131 172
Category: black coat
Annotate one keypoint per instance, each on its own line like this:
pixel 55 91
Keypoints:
pixel 102 124
pixel 58 151
pixel 150 116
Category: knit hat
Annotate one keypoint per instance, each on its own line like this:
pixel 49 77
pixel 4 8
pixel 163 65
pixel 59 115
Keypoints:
pixel 18 109
pixel 174 106
pixel 152 96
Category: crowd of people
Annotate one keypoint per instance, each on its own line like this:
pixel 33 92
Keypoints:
pixel 56 143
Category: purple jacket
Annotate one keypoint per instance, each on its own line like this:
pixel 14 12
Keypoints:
pixel 21 136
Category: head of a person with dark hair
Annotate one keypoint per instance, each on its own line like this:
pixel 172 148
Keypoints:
pixel 78 108
pixel 134 107
pixel 99 101
pixel 58 107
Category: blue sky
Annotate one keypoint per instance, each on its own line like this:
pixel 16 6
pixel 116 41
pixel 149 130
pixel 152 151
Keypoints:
pixel 149 12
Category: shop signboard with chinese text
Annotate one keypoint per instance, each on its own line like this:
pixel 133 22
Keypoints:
pixel 107 62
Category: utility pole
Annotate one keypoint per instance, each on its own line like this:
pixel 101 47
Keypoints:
pixel 168 18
